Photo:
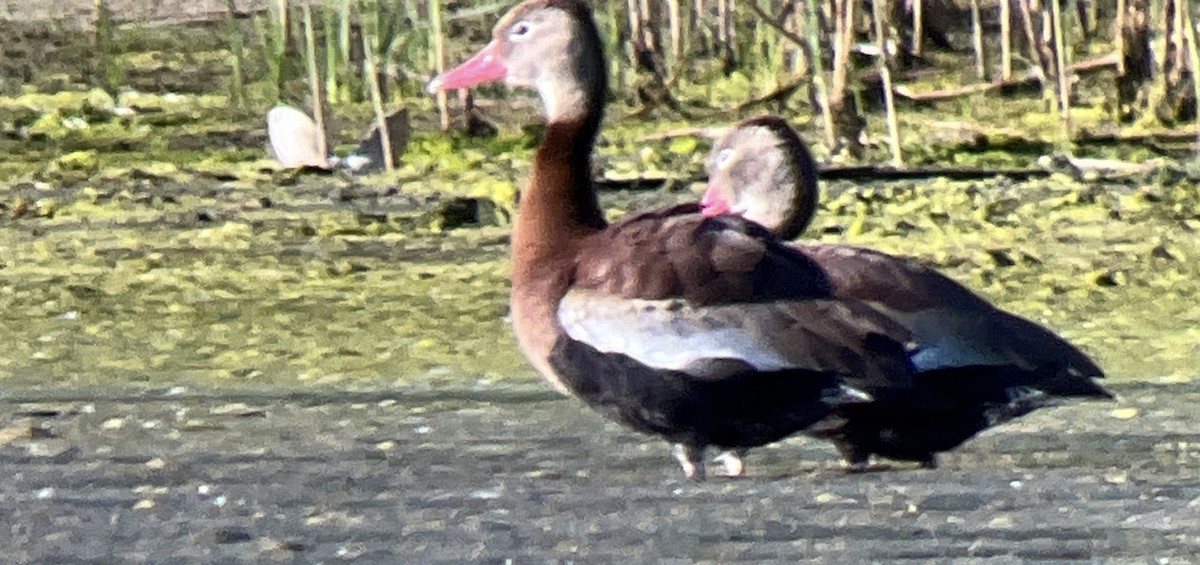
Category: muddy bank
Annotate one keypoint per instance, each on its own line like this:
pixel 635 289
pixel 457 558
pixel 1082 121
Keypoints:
pixel 487 475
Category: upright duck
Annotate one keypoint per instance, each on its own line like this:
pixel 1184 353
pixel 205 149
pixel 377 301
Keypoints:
pixel 704 331
pixel 990 365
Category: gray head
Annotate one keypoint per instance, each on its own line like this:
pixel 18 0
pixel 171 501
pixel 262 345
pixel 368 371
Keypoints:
pixel 762 171
pixel 551 46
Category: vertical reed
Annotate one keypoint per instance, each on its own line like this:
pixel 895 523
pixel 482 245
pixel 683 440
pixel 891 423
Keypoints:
pixel 1005 39
pixel 329 22
pixel 110 72
pixel 370 69
pixel 1060 58
pixel 977 41
pixel 675 25
pixel 812 32
pixel 314 79
pixel 1189 32
pixel 918 26
pixel 439 58
pixel 885 74
pixel 237 57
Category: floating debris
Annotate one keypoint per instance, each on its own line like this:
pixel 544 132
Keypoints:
pixel 295 142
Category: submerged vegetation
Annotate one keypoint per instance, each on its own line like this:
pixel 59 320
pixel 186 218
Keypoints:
pixel 147 239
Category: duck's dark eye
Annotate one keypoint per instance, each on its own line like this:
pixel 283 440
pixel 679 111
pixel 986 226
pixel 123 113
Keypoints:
pixel 723 158
pixel 520 29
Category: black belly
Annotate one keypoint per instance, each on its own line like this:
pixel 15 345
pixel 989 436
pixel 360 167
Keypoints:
pixel 904 434
pixel 944 409
pixel 746 408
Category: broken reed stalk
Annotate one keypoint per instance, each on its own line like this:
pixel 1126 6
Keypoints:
pixel 732 29
pixel 1031 38
pixel 918 26
pixel 847 122
pixel 633 11
pixel 1177 40
pixel 768 40
pixel 439 59
pixel 1089 14
pixel 799 58
pixel 416 42
pixel 812 34
pixel 885 74
pixel 272 36
pixel 371 70
pixel 280 37
pixel 723 22
pixel 843 37
pixel 612 45
pixel 237 56
pixel 110 74
pixel 314 78
pixel 1119 37
pixel 1005 39
pixel 1189 35
pixel 977 41
pixel 724 28
pixel 343 32
pixel 674 22
pixel 1060 63
pixel 387 29
pixel 328 25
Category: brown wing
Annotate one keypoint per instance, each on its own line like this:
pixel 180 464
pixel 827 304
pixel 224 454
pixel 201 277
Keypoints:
pixel 901 283
pixel 681 292
pixel 953 326
pixel 665 254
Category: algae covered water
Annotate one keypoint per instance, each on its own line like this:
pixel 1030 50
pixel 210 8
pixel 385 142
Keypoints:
pixel 157 281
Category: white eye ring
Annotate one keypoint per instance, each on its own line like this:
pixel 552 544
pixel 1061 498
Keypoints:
pixel 723 158
pixel 519 30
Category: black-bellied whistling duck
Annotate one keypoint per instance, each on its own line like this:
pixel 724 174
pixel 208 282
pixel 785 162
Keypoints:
pixel 707 332
pixel 992 366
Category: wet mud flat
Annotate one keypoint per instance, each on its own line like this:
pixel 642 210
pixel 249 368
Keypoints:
pixel 516 474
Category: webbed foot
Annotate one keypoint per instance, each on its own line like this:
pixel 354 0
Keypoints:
pixel 691 458
pixel 732 464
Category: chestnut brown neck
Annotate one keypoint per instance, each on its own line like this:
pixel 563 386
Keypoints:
pixel 558 211
pixel 559 206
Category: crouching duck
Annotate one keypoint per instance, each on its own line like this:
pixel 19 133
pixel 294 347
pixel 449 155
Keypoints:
pixel 985 365
pixel 704 331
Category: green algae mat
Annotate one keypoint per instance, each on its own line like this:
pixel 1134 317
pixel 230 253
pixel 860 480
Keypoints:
pixel 149 279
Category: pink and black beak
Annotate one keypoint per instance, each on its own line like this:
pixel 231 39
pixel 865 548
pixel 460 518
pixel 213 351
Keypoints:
pixel 486 66
pixel 714 203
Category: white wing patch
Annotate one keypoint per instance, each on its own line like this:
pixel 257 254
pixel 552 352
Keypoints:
pixel 668 334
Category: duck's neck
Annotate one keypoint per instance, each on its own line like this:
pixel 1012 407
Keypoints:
pixel 559 206
pixel 801 210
